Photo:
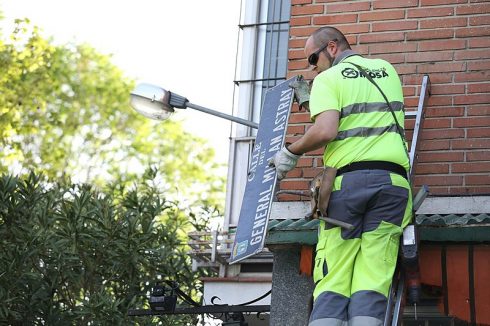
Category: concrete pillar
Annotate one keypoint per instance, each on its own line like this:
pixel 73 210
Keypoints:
pixel 291 292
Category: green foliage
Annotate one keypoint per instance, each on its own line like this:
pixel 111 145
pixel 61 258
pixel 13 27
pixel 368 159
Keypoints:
pixel 64 111
pixel 72 255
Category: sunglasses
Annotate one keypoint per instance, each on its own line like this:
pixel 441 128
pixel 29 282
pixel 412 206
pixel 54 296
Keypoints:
pixel 313 58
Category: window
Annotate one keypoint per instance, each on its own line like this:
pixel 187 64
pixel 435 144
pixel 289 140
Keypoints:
pixel 264 36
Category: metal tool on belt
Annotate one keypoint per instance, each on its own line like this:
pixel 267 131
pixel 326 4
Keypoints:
pixel 321 188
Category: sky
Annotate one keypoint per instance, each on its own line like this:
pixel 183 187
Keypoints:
pixel 185 46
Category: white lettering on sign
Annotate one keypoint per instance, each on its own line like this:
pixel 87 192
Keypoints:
pixel 261 216
pixel 282 111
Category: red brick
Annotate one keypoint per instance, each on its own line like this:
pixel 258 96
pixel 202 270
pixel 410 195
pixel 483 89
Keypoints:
pixel 478 65
pixel 298 65
pixel 482 42
pixel 307 10
pixel 301 31
pixel 386 4
pixel 479 88
pixel 300 2
pixel 349 7
pixel 450 111
pixel 446 180
pixel 305 161
pixel 470 167
pixel 478 133
pixel 405 69
pixel 478 156
pixel 352 39
pixel 472 99
pixel 296 129
pixel 440 100
pixel 435 78
pixel 483 110
pixel 437 123
pixel 334 19
pixel 443 23
pixel 471 54
pixel 441 67
pixel 354 28
pixel 472 31
pixel 300 21
pixel 440 2
pixel 483 179
pixel 477 143
pixel 434 145
pixel 443 134
pixel 297 43
pixel 432 168
pixel 381 37
pixel 394 26
pixel 472 76
pixel 392 58
pixel 442 45
pixel 296 54
pixel 408 91
pixel 430 34
pixel 295 185
pixel 467 190
pixel 299 118
pixel 382 15
pixel 361 49
pixel 473 9
pixel 429 56
pixel 480 20
pixel 472 122
pixel 430 12
pixel 447 89
pixel 441 156
pixel 411 102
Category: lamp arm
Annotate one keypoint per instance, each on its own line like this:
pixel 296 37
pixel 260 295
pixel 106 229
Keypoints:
pixel 224 115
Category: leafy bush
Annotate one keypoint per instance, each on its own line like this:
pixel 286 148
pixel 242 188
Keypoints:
pixel 74 255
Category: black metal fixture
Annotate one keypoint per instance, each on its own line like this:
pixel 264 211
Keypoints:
pixel 163 299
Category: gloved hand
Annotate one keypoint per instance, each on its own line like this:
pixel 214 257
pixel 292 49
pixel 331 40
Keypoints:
pixel 301 91
pixel 284 161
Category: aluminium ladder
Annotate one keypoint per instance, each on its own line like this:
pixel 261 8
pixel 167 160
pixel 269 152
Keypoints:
pixel 397 290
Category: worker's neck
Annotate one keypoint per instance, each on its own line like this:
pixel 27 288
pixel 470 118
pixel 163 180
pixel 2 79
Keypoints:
pixel 342 55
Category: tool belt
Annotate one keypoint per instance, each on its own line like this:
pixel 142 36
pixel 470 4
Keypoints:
pixel 373 165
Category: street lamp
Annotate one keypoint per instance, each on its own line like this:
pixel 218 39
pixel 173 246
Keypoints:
pixel 157 103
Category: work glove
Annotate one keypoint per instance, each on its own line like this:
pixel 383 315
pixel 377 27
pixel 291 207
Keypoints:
pixel 284 161
pixel 301 91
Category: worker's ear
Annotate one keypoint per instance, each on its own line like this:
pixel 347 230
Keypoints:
pixel 332 48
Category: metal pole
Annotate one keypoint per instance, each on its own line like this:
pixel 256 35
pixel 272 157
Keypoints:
pixel 224 115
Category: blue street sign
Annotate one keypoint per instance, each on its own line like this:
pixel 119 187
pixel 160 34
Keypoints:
pixel 261 181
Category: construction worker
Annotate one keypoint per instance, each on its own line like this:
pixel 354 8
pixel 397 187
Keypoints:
pixel 363 141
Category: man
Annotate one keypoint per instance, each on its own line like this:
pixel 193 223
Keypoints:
pixel 354 268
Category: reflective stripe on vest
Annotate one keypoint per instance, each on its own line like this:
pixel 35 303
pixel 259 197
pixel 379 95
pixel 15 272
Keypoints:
pixel 365 132
pixel 369 108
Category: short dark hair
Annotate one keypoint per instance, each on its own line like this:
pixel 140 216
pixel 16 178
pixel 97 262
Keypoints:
pixel 329 33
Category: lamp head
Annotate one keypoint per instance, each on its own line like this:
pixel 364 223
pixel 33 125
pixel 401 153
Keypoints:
pixel 152 101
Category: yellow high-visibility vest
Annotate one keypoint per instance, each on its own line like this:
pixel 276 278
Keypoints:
pixel 367 130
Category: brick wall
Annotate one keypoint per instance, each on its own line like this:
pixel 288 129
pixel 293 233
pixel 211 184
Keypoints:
pixel 447 39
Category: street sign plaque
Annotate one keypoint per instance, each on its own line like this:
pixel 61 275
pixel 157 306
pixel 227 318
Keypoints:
pixel 261 179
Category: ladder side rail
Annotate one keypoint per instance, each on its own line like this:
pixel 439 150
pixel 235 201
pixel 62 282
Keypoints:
pixel 424 95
